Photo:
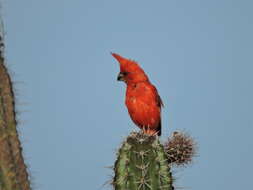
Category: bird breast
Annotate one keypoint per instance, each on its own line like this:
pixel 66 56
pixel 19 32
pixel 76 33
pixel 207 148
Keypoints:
pixel 141 105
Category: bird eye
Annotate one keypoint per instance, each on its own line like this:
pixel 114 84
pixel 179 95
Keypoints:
pixel 125 73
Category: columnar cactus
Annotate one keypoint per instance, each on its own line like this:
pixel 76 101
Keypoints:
pixel 142 164
pixel 13 174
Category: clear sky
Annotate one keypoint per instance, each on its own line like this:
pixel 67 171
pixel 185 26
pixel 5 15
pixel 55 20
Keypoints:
pixel 198 53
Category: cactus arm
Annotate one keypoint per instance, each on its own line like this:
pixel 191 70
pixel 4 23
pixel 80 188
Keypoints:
pixel 13 171
pixel 8 106
pixel 7 169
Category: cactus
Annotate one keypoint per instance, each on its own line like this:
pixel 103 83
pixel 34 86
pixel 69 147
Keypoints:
pixel 13 171
pixel 180 148
pixel 142 164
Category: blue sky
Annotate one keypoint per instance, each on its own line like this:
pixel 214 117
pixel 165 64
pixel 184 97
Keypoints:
pixel 72 113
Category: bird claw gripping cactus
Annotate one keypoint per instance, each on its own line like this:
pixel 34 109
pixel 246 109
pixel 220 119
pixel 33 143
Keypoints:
pixel 142 164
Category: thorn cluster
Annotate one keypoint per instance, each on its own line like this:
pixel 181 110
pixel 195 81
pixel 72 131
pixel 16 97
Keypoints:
pixel 180 148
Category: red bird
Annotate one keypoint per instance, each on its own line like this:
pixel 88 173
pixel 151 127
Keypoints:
pixel 142 99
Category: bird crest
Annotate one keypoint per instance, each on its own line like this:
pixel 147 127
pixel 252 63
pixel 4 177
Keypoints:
pixel 127 65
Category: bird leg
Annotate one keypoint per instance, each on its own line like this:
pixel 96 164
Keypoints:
pixel 149 131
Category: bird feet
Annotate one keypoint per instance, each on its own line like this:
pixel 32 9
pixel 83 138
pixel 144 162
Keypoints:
pixel 148 131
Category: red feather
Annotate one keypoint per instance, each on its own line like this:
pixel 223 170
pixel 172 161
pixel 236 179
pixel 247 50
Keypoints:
pixel 142 99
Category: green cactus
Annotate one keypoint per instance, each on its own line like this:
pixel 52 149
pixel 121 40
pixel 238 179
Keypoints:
pixel 142 164
pixel 13 171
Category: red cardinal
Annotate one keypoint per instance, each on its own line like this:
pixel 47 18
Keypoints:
pixel 142 99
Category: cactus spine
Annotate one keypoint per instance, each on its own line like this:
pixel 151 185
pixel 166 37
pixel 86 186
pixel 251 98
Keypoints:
pixel 142 164
pixel 180 148
pixel 13 174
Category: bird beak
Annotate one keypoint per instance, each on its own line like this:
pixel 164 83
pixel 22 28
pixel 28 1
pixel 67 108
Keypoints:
pixel 120 77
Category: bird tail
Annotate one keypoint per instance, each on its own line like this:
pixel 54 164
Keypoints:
pixel 159 129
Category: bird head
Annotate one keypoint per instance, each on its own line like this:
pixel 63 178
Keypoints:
pixel 130 71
